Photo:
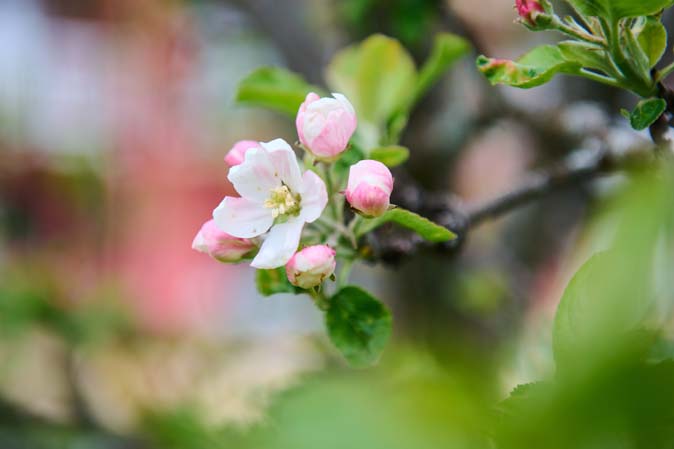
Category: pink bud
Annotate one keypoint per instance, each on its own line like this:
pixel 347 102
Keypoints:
pixel 527 9
pixel 220 245
pixel 237 154
pixel 325 125
pixel 369 188
pixel 311 266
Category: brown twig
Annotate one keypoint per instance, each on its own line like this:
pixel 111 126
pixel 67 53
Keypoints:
pixel 391 245
pixel 542 184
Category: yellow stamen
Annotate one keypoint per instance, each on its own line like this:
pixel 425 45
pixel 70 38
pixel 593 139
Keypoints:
pixel 282 202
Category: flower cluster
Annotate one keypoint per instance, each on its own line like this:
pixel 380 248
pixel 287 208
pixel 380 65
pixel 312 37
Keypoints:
pixel 278 198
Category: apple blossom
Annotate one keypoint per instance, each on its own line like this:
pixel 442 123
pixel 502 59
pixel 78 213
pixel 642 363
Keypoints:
pixel 236 155
pixel 369 188
pixel 309 267
pixel 325 125
pixel 220 245
pixel 275 197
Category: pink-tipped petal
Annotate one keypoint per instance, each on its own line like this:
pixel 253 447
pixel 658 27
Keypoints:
pixel 325 125
pixel 237 154
pixel 309 267
pixel 279 245
pixel 369 188
pixel 299 120
pixel 284 160
pixel 256 176
pixel 314 196
pixel 371 201
pixel 220 245
pixel 346 104
pixel 371 172
pixel 242 218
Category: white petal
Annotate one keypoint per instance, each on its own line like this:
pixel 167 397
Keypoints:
pixel 324 106
pixel 242 218
pixel 313 127
pixel 285 163
pixel 256 176
pixel 346 104
pixel 314 196
pixel 280 245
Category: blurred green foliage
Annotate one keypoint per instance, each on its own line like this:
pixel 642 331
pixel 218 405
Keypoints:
pixel 30 297
pixel 407 20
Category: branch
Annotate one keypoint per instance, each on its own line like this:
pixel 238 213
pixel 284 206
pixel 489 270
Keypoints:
pixel 392 245
pixel 19 427
pixel 544 183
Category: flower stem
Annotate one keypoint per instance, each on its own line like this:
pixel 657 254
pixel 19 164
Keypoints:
pixel 319 298
pixel 600 78
pixel 331 191
pixel 577 32
pixel 354 224
pixel 631 79
pixel 664 72
pixel 309 160
pixel 344 273
pixel 341 229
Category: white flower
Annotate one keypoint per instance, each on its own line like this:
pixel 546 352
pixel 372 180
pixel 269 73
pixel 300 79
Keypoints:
pixel 275 197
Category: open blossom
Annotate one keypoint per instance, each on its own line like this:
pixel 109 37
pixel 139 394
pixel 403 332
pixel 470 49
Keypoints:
pixel 369 188
pixel 309 267
pixel 237 154
pixel 527 9
pixel 220 245
pixel 275 197
pixel 325 125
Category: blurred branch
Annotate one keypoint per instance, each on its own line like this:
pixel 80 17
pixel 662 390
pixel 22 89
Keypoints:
pixel 392 245
pixel 24 425
pixel 79 405
pixel 542 184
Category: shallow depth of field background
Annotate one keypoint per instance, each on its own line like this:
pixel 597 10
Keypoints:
pixel 115 116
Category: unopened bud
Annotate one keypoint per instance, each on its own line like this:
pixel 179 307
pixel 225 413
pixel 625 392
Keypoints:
pixel 309 267
pixel 369 188
pixel 220 245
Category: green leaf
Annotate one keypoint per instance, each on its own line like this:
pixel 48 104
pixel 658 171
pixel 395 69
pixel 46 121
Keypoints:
pixel 447 49
pixel 596 310
pixel 618 9
pixel 647 112
pixel 521 396
pixel 378 76
pixel 422 226
pixel 635 53
pixel 537 67
pixel 274 88
pixel 271 282
pixel 617 291
pixel 358 325
pixel 390 156
pixel 587 55
pixel 652 37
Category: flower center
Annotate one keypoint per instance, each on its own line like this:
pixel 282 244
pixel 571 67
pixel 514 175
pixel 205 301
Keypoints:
pixel 282 202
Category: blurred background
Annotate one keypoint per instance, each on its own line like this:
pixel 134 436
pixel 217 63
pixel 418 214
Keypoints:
pixel 115 116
